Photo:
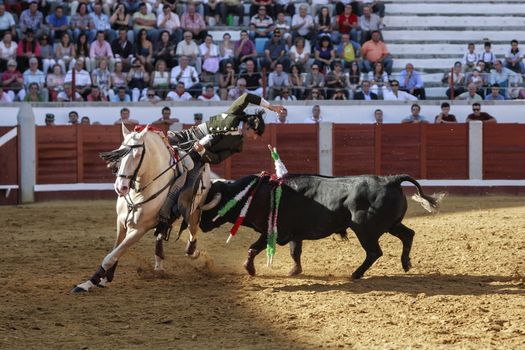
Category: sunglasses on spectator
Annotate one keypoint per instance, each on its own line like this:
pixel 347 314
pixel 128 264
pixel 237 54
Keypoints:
pixel 151 95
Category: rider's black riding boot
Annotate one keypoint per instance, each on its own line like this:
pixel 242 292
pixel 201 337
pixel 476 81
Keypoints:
pixel 163 227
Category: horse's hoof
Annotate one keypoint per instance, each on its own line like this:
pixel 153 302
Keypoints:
pixel 295 271
pixel 191 247
pixel 194 255
pixel 78 290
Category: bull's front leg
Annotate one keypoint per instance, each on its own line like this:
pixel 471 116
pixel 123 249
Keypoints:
pixel 254 250
pixel 296 249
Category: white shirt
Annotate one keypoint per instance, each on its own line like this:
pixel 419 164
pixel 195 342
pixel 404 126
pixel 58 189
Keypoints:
pixel 82 78
pixel 290 98
pixel 173 96
pixel 171 24
pixel 401 96
pixel 186 76
pixel 213 50
pixel 308 20
pixel 185 49
pixel 215 97
pixel 311 120
pixel 8 53
pixel 5 98
pixel 6 21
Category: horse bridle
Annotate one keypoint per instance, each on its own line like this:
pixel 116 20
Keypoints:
pixel 132 178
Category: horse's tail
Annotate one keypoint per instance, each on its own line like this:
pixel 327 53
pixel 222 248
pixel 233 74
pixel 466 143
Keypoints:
pixel 429 203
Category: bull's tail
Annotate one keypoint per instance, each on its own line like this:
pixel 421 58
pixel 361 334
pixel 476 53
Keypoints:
pixel 430 203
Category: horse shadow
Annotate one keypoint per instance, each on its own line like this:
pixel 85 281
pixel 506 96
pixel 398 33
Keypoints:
pixel 429 284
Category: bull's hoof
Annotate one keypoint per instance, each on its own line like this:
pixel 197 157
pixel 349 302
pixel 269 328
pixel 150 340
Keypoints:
pixel 191 247
pixel 355 276
pixel 78 290
pixel 295 271
pixel 250 268
pixel 407 265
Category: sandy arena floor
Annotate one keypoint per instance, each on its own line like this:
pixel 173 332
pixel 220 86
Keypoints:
pixel 465 291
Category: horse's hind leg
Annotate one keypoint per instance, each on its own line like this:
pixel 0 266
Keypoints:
pixel 406 236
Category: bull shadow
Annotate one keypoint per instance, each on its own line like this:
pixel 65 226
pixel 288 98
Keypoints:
pixel 430 285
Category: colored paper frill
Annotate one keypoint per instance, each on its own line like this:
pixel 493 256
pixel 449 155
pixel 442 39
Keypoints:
pixel 280 168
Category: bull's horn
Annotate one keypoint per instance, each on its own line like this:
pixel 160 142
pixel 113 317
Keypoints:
pixel 213 203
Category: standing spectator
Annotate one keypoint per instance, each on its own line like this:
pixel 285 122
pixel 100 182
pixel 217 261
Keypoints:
pixel 347 51
pixel 303 24
pixel 374 51
pixel 275 52
pixel 445 117
pixel 245 49
pixel 55 82
pixel 47 53
pixel 101 22
pixel 240 89
pixel 410 81
pixel 300 53
pixel 7 22
pixel 227 81
pixel 31 19
pixel 414 117
pixel 277 80
pixel 50 119
pixel 58 23
pixel 394 94
pixel 369 23
pixel 470 58
pixel 471 94
pixel 95 95
pixel 13 81
pixel 314 79
pixel 82 23
pixel 197 118
pixel 35 75
pixel 337 80
pixel 316 116
pixel 100 50
pixel 378 116
pixel 365 94
pixel 284 95
pixel 456 80
pixel 147 21
pixel 495 95
pixel 121 95
pixel 122 48
pixel 160 78
pixel 102 78
pixel 296 82
pixel 138 80
pixel 348 23
pixel 82 78
pixel 193 22
pixel 187 75
pixel 27 48
pixel 169 21
pixel 8 50
pixel 282 118
pixel 261 24
pixel 144 50
pixel 209 94
pixel 73 118
pixel 85 121
pixel 125 118
pixel 65 52
pixel 324 53
pixel 120 20
pixel 210 57
pixel 478 115
pixel 514 58
pixel 188 47
pixel 179 93
pixel 166 118
pixel 230 8
pixel 487 56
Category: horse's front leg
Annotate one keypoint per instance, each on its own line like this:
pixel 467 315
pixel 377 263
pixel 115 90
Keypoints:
pixel 191 247
pixel 159 253
pixel 133 235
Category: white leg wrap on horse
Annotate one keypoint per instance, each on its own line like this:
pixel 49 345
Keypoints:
pixel 103 282
pixel 158 263
pixel 86 285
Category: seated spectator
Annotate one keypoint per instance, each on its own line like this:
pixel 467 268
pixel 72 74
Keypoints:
pixel 138 80
pixel 245 49
pixel 355 80
pixel 502 76
pixel 96 95
pixel 169 21
pixel 47 54
pixel 13 81
pixel 374 51
pixel 252 78
pixel 72 118
pixel 4 97
pixel 66 95
pixel 33 93
pixel 239 89
pixel 58 23
pixel 323 24
pixel 369 23
pixel 164 50
pixel 50 119
pixel 277 80
pixel 378 116
pixel 479 78
pixel 378 79
pixel 150 96
pixel 495 95
pixel 410 81
pixel 227 51
pixel 315 94
pixel 144 50
pixel 339 95
pixel 179 93
pixel 211 12
pixel 227 81
pixel 514 58
pixel 365 94
pixel 186 74
pixel 376 6
pixel 394 94
pixel 478 115
pixel 82 78
pixel 82 52
pixel 257 4
pixel 315 117
pixel 209 94
pixel 27 48
pixel 82 23
pixel 8 50
pixel 487 56
pixel 324 53
pixel 101 50
pixel 147 21
pixel 166 117
pixel 300 53
pixel 102 78
pixel 348 23
pixel 120 20
pixel 337 80
pixel 118 79
pixel 303 24
pixel 121 95
pixel 65 52
pixel 285 96
pixel 125 119
pixel 470 58
pixel 122 48
pixel 7 22
pixel 35 75
pixel 55 82
pixel 414 117
pixel 282 118
pixel 445 117
pixel 209 53
pixel 347 51
pixel 296 82
pixel 101 22
pixel 230 8
pixel 188 47
pixel 314 79
pixel 261 25
pixel 456 79
pixel 160 79
pixel 32 19
pixel 85 121
pixel 470 95
pixel 193 22
pixel 282 24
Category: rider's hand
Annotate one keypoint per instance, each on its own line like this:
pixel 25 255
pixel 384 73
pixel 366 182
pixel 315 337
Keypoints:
pixel 277 109
pixel 198 147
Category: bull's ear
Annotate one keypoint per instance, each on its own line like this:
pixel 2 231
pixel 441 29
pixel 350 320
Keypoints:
pixel 125 131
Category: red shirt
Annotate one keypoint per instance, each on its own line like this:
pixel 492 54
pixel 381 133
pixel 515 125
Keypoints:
pixel 349 20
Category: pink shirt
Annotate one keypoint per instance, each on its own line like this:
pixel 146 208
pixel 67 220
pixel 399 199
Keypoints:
pixel 195 23
pixel 98 50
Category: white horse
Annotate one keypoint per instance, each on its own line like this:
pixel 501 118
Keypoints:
pixel 143 181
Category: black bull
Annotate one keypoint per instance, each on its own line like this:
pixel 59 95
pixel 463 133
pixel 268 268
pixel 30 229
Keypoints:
pixel 315 207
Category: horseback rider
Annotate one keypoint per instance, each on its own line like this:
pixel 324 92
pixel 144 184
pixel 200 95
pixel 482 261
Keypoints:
pixel 212 142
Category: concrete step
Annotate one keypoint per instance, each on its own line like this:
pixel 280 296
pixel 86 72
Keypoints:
pixel 442 49
pixel 457 9
pixel 412 21
pixel 428 36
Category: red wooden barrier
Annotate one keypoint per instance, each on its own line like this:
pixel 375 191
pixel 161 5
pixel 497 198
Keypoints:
pixel 9 166
pixel 504 151
pixel 447 151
